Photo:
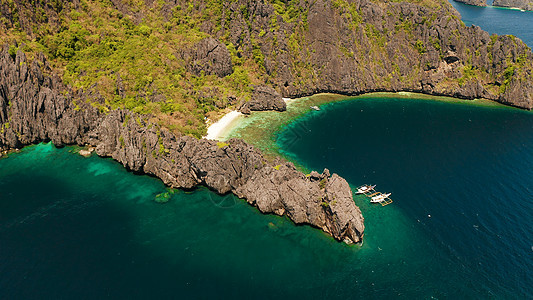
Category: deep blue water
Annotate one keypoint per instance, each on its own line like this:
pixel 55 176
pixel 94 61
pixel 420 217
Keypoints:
pixel 462 181
pixel 498 20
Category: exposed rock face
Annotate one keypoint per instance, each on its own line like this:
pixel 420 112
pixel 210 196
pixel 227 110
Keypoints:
pixel 288 191
pixel 343 46
pixel 522 4
pixel 353 47
pixel 473 2
pixel 210 56
pixel 34 108
pixel 264 98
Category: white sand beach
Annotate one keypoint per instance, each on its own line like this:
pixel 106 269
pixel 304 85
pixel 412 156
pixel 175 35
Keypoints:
pixel 218 129
pixel 287 100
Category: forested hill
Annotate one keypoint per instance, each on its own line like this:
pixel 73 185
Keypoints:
pixel 182 61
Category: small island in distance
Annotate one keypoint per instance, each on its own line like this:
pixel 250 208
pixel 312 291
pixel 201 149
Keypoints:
pixel 514 4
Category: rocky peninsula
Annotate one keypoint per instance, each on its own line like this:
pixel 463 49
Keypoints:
pixel 37 108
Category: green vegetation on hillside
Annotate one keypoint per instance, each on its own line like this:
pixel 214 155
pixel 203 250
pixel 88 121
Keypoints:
pixel 136 54
pixel 130 63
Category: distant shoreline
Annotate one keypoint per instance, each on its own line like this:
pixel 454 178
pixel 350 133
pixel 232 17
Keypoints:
pixel 509 8
pixel 496 6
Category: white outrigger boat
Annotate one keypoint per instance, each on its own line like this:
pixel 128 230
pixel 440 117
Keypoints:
pixel 365 189
pixel 379 198
pixel 314 107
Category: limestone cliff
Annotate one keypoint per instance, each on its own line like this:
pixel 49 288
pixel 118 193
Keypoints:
pixel 296 47
pixel 263 98
pixel 352 47
pixel 35 107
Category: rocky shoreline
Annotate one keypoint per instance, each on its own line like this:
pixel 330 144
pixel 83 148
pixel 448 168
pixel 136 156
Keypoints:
pixel 37 108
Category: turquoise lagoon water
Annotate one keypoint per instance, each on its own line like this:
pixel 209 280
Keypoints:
pixel 85 228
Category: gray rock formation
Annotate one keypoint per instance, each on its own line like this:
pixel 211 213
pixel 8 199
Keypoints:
pixel 209 56
pixel 473 2
pixel 35 108
pixel 264 98
pixel 354 47
pixel 522 4
pixel 344 46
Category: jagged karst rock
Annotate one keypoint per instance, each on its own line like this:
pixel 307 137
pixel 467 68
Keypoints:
pixel 347 47
pixel 245 109
pixel 325 203
pixel 339 220
pixel 393 46
pixel 209 56
pixel 264 98
pixel 34 108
